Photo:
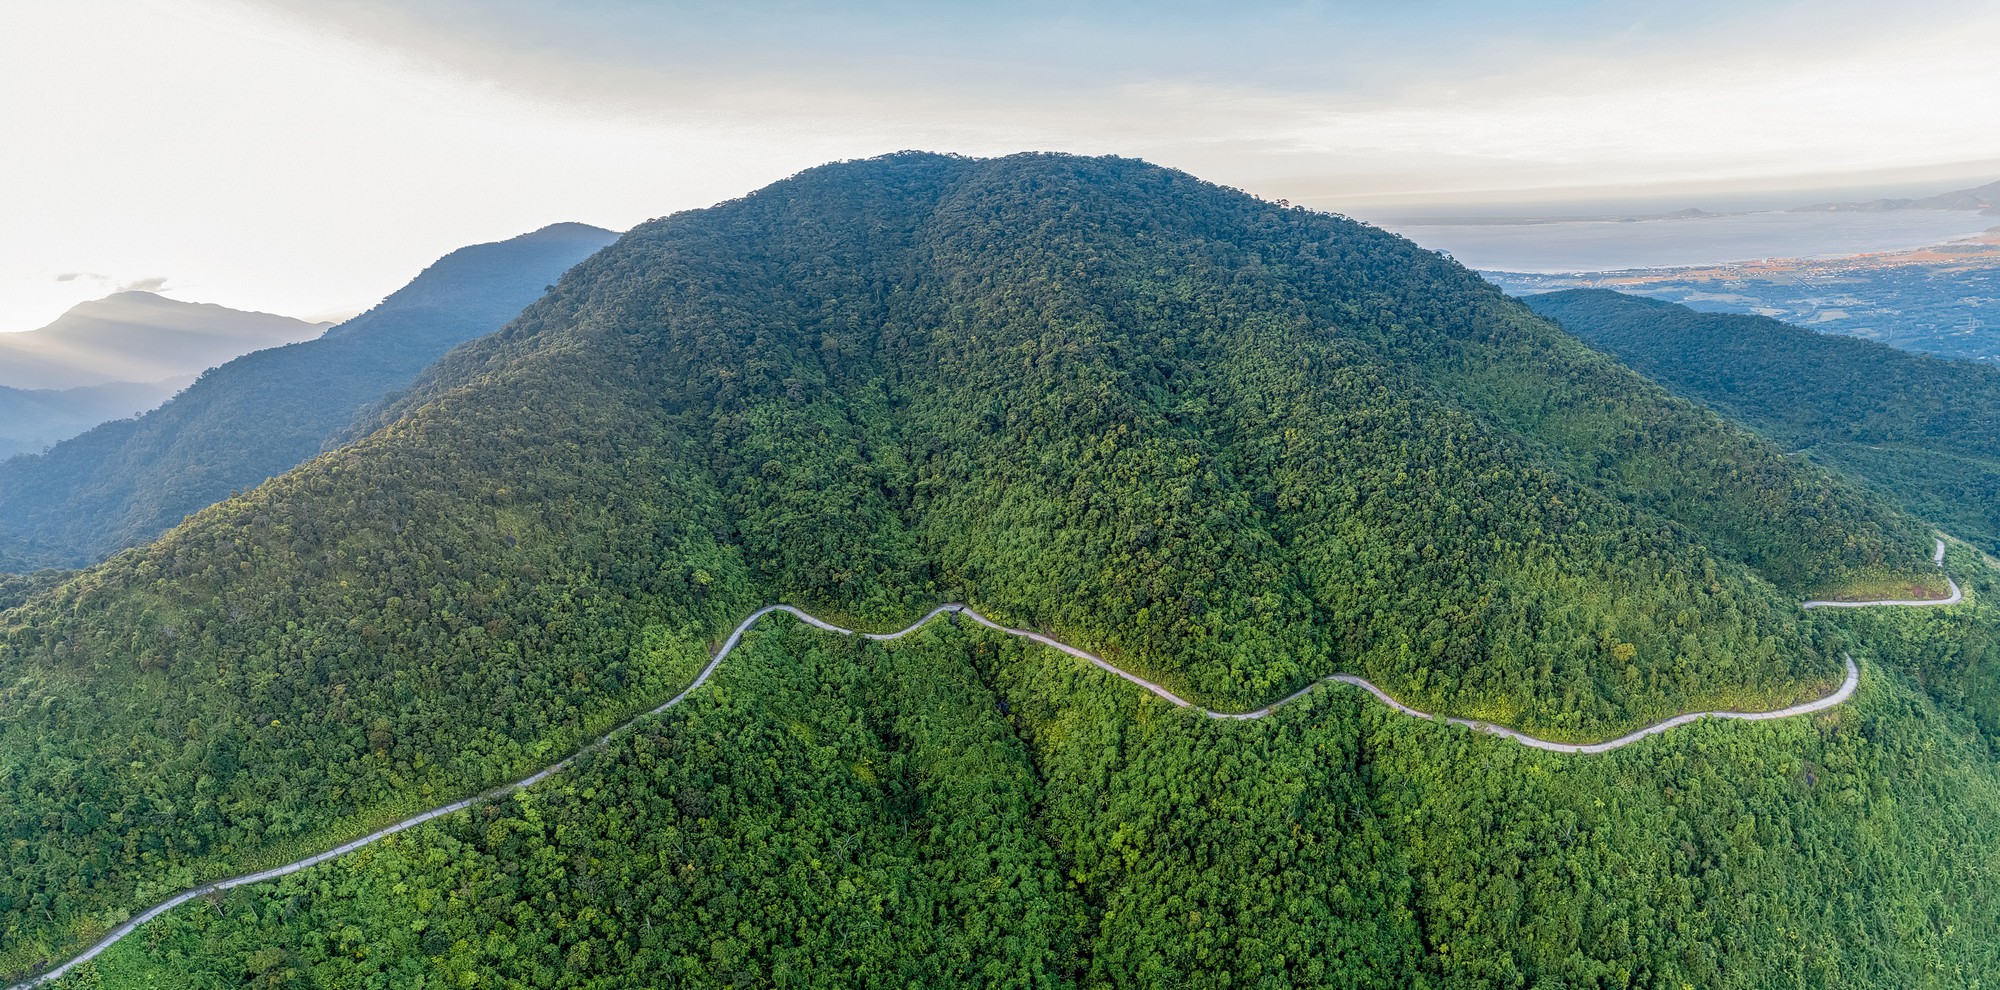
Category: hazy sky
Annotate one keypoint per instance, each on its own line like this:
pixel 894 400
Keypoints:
pixel 308 156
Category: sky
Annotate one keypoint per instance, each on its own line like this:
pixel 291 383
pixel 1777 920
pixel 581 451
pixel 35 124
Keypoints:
pixel 307 157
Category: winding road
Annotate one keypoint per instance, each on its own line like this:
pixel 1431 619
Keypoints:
pixel 1839 695
pixel 1936 558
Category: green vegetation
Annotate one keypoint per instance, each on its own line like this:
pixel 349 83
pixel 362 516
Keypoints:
pixel 18 588
pixel 819 817
pixel 125 482
pixel 1953 653
pixel 1234 446
pixel 1925 432
pixel 834 814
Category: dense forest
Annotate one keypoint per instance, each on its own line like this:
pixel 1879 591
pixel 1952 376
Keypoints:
pixel 1924 431
pixel 963 810
pixel 127 481
pixel 1232 445
pixel 18 588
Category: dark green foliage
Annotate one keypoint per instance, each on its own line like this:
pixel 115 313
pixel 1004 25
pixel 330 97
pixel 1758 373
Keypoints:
pixel 17 588
pixel 1953 654
pixel 124 482
pixel 1341 844
pixel 826 814
pixel 1923 431
pixel 832 814
pixel 1235 446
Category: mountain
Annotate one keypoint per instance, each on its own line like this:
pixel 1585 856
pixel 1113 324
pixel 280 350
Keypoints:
pixel 257 416
pixel 1923 431
pixel 32 419
pixel 138 337
pixel 1232 446
pixel 1982 198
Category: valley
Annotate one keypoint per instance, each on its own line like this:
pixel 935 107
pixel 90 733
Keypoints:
pixel 1919 430
pixel 1942 299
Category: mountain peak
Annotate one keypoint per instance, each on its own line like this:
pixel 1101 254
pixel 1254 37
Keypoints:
pixel 139 336
pixel 566 228
pixel 126 482
pixel 1983 198
pixel 135 296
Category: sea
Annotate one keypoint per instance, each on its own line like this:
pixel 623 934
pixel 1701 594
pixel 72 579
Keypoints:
pixel 1598 245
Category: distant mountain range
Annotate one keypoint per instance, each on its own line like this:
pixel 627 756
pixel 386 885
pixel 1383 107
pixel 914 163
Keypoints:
pixel 119 356
pixel 32 419
pixel 139 337
pixel 125 481
pixel 1985 199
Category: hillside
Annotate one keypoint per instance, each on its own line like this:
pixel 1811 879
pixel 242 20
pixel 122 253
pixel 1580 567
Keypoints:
pixel 1232 446
pixel 125 482
pixel 1924 432
pixel 139 337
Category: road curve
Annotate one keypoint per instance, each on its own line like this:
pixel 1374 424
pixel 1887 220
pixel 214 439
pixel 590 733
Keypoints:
pixel 1937 558
pixel 1839 695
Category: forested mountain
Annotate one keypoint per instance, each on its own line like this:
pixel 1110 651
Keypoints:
pixel 124 482
pixel 1922 430
pixel 1231 445
pixel 139 337
pixel 117 357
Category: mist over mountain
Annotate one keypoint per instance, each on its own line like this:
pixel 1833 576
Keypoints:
pixel 32 419
pixel 260 414
pixel 1232 446
pixel 139 337
pixel 119 356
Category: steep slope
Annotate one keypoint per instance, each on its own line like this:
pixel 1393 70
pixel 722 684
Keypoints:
pixel 124 482
pixel 139 337
pixel 1230 445
pixel 1924 432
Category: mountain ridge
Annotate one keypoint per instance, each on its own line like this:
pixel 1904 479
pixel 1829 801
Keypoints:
pixel 33 419
pixel 1981 198
pixel 1225 445
pixel 126 481
pixel 139 336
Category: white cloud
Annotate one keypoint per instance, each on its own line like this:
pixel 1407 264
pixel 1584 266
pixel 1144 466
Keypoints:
pixel 308 158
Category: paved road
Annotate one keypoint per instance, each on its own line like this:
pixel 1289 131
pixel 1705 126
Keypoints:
pixel 1841 694
pixel 1936 558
